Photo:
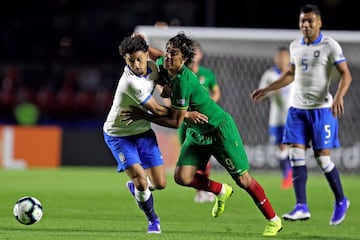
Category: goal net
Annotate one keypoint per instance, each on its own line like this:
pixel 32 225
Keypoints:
pixel 239 57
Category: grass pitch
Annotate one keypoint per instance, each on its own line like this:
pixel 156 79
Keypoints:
pixel 93 203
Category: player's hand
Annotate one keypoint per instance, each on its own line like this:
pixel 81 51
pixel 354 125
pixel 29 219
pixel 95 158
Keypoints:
pixel 132 114
pixel 258 94
pixel 134 34
pixel 337 107
pixel 196 117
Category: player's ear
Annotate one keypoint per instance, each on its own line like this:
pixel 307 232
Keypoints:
pixel 320 23
pixel 126 59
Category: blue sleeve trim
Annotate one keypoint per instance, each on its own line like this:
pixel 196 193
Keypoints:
pixel 146 99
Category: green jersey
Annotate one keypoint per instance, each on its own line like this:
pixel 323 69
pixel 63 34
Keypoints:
pixel 207 78
pixel 219 137
pixel 189 94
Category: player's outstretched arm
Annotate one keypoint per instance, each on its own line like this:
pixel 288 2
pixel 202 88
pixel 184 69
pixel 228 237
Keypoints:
pixel 285 79
pixel 155 53
pixel 153 106
pixel 173 120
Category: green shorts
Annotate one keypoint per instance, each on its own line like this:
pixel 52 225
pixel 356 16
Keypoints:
pixel 181 131
pixel 224 143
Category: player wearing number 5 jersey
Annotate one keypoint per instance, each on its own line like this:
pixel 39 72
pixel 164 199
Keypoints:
pixel 313 115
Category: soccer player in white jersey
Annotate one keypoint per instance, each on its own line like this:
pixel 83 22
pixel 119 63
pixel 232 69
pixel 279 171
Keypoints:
pixel 134 146
pixel 279 104
pixel 313 115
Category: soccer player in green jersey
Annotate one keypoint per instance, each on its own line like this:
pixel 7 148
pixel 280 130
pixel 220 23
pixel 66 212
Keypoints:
pixel 207 79
pixel 206 76
pixel 218 136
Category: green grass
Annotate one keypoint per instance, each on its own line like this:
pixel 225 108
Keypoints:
pixel 93 203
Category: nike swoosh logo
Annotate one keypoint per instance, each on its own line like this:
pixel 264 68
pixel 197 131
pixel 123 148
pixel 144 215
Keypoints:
pixel 296 177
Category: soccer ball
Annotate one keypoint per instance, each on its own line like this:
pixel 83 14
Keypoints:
pixel 28 210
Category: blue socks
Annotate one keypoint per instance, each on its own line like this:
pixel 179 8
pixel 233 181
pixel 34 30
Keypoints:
pixel 299 182
pixel 334 181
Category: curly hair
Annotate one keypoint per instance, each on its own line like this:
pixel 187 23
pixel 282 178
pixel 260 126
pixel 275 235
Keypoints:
pixel 130 45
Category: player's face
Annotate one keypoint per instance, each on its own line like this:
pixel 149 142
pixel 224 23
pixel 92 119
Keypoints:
pixel 173 59
pixel 282 60
pixel 137 62
pixel 310 25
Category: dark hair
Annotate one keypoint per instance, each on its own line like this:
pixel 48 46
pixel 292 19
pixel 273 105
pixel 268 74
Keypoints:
pixel 282 48
pixel 194 47
pixel 310 8
pixel 184 44
pixel 130 45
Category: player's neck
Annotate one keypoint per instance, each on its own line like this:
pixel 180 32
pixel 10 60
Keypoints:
pixel 311 39
pixel 173 72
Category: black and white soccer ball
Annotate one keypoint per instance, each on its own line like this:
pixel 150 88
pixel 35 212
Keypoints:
pixel 28 210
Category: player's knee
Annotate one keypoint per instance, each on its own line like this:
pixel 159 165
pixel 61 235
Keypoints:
pixel 244 180
pixel 184 175
pixel 179 180
pixel 160 184
pixel 297 157
pixel 281 154
pixel 325 163
pixel 182 179
pixel 141 184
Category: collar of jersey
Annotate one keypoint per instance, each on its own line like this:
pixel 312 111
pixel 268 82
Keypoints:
pixel 317 40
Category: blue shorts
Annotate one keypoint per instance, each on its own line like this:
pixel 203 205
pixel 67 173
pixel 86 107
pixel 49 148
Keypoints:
pixel 276 134
pixel 317 127
pixel 129 150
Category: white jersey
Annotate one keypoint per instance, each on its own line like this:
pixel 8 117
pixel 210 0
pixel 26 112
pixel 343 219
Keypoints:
pixel 314 65
pixel 279 99
pixel 132 90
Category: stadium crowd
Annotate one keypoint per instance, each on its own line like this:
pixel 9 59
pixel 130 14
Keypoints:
pixel 59 92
